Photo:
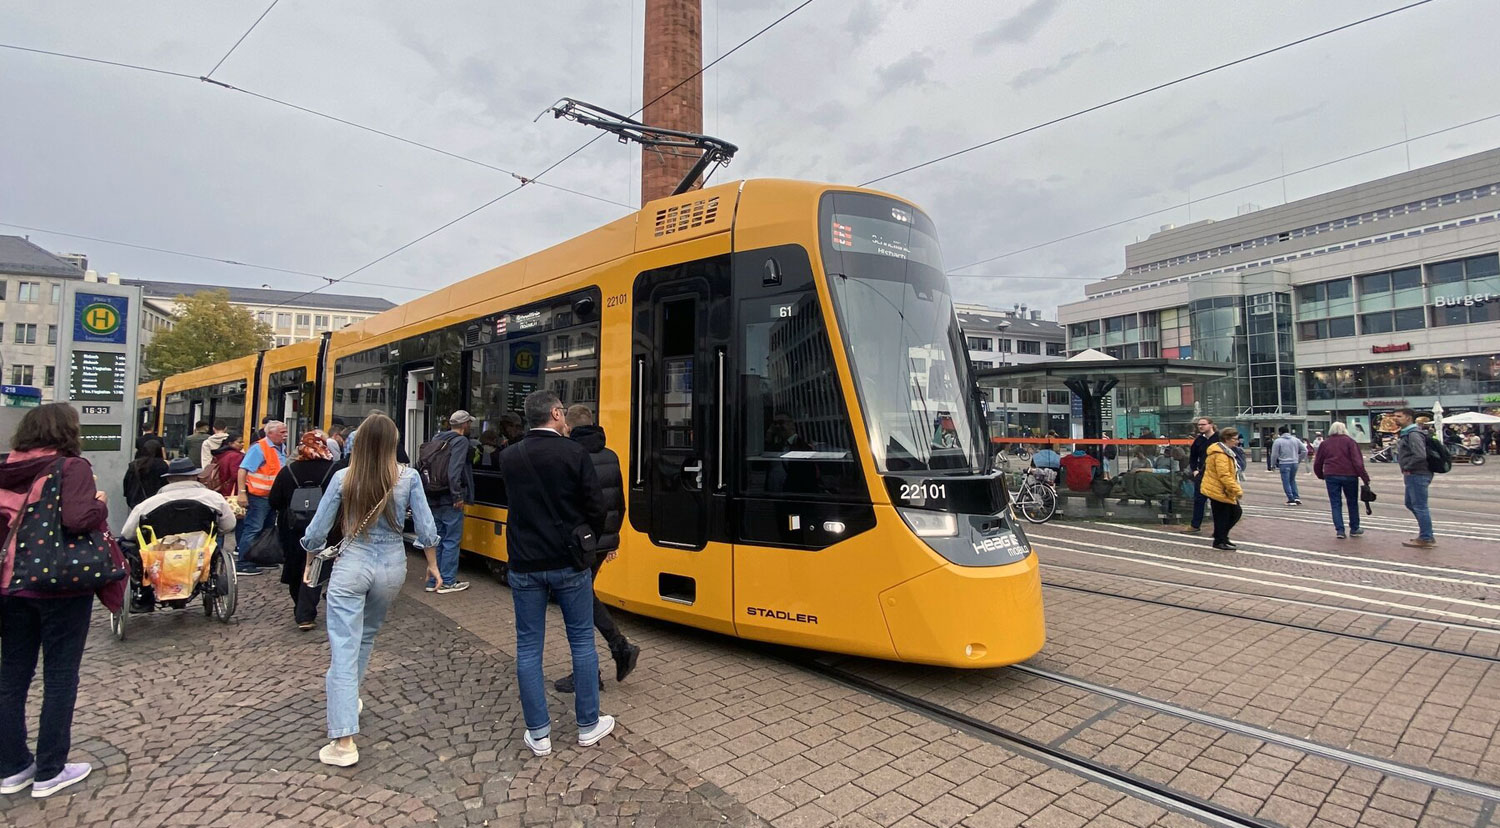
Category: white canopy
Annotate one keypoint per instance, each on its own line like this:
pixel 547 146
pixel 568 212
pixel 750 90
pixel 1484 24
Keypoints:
pixel 1091 355
pixel 1471 418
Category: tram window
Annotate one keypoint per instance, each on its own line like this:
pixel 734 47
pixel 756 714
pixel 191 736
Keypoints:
pixel 796 433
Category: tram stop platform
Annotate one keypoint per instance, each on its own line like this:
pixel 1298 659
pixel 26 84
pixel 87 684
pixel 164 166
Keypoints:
pixel 1297 681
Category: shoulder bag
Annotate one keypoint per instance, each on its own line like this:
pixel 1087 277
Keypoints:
pixel 49 558
pixel 313 576
pixel 583 544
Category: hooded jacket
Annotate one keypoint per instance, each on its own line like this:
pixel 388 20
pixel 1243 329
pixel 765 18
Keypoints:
pixel 1220 479
pixel 607 466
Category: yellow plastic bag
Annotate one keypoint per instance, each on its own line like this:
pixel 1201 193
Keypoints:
pixel 174 564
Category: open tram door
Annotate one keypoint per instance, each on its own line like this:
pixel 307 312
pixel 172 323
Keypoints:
pixel 676 476
pixel 416 424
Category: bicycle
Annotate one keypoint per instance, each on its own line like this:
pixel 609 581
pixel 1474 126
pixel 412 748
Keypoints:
pixel 1036 499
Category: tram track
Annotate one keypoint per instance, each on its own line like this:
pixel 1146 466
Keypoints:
pixel 1126 781
pixel 1288 624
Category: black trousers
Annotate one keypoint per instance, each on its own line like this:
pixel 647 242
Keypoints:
pixel 305 600
pixel 56 628
pixel 604 622
pixel 1226 515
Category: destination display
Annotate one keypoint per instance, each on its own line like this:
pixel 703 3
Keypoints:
pixel 97 376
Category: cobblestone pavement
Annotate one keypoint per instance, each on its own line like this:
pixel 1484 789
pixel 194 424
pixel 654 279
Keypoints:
pixel 191 722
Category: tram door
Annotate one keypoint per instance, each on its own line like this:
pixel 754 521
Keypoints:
pixel 676 476
pixel 417 425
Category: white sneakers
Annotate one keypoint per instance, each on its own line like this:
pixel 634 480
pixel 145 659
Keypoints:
pixel 587 737
pixel 332 754
pixel 601 728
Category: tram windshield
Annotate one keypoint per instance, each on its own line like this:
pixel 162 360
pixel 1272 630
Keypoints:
pixel 905 346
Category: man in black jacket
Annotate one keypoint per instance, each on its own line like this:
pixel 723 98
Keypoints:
pixel 552 491
pixel 448 505
pixel 581 428
pixel 1197 457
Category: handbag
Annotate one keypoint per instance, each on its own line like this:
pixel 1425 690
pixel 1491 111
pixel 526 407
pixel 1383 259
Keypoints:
pixel 266 550
pixel 1367 496
pixel 313 576
pixel 48 558
pixel 583 544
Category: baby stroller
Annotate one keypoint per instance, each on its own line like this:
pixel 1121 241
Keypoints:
pixel 174 559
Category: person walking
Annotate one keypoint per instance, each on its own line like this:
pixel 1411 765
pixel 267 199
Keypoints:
pixel 1287 454
pixel 192 448
pixel 1222 486
pixel 448 479
pixel 554 496
pixel 374 494
pixel 54 622
pixel 1411 456
pixel 581 429
pixel 222 474
pixel 310 471
pixel 215 440
pixel 334 442
pixel 257 474
pixel 1340 464
pixel 1197 456
pixel 143 477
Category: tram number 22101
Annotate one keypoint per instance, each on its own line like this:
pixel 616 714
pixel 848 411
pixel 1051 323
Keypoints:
pixel 923 492
pixel 617 300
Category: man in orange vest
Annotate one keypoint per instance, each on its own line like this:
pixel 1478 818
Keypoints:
pixel 257 472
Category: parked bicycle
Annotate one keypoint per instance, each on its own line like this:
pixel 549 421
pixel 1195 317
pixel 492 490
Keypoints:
pixel 1036 498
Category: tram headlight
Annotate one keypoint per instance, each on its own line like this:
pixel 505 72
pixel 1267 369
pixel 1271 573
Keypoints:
pixel 928 524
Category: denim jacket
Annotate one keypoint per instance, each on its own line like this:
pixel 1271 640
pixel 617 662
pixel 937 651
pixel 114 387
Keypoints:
pixel 380 533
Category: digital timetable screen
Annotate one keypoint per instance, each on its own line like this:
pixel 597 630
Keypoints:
pixel 97 376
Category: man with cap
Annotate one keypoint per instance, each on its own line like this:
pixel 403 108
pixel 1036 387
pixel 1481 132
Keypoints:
pixel 182 483
pixel 448 478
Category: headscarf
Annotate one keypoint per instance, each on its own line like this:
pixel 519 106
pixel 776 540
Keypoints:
pixel 313 446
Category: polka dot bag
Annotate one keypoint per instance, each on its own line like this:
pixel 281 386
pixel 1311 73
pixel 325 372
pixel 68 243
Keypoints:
pixel 49 558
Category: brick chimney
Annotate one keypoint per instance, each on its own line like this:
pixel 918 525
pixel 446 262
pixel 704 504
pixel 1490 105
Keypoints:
pixel 674 50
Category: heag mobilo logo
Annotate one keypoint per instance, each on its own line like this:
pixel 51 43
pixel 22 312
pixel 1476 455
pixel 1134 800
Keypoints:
pixel 999 543
pixel 781 615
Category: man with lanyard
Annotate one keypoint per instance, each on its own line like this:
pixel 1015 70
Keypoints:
pixel 1197 458
pixel 257 474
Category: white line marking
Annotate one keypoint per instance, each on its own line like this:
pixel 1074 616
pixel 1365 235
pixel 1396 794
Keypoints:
pixel 1490 621
pixel 1449 530
pixel 1256 596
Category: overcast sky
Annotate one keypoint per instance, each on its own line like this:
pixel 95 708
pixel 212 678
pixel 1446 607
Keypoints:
pixel 843 91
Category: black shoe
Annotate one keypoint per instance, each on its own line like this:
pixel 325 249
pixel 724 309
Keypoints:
pixel 565 684
pixel 1226 546
pixel 625 661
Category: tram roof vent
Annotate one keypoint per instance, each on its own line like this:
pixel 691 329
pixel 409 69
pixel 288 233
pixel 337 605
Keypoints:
pixel 681 217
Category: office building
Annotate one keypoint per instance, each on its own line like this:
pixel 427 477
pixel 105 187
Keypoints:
pixel 1016 336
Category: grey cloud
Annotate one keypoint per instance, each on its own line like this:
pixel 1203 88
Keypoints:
pixel 1036 75
pixel 864 19
pixel 1019 27
pixel 908 71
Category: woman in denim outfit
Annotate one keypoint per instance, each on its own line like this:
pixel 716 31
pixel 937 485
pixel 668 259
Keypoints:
pixel 369 573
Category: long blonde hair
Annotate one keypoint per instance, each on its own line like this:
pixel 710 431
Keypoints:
pixel 372 473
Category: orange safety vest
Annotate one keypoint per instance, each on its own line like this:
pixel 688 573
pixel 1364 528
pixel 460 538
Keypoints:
pixel 259 481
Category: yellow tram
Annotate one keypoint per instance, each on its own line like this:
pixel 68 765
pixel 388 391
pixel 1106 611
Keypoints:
pixel 779 367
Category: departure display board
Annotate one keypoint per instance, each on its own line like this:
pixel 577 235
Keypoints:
pixel 97 376
pixel 101 437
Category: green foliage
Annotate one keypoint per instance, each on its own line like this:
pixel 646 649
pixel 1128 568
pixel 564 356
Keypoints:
pixel 207 329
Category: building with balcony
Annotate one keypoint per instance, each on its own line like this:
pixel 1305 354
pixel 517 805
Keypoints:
pixel 1342 306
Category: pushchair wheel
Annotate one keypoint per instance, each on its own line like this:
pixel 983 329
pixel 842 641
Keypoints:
pixel 118 620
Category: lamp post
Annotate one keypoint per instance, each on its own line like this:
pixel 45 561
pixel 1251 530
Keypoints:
pixel 1002 327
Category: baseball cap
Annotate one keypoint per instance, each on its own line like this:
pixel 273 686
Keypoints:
pixel 459 417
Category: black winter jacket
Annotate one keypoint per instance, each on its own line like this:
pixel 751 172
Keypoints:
pixel 607 467
pixel 565 476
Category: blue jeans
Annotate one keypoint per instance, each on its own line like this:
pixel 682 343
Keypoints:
pixel 365 581
pixel 575 595
pixel 1416 501
pixel 450 526
pixel 1289 479
pixel 256 512
pixel 1341 488
pixel 1200 501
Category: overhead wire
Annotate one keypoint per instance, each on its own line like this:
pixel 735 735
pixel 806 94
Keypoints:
pixel 556 163
pixel 242 39
pixel 1148 90
pixel 1199 199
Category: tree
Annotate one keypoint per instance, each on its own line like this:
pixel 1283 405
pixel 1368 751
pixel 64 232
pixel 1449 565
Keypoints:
pixel 206 329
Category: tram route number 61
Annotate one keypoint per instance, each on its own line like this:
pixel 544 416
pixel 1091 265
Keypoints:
pixel 924 491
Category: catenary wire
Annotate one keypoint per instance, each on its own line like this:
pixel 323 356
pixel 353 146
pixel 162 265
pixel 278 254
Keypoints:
pixel 114 63
pixel 198 256
pixel 1190 202
pixel 1140 92
pixel 242 38
pixel 555 164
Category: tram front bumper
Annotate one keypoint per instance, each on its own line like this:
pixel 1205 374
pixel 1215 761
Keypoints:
pixel 960 616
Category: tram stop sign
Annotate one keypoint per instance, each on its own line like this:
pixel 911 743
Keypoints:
pixel 100 318
pixel 97 367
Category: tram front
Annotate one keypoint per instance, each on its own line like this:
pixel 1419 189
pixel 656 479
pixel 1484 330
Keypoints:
pixel 981 605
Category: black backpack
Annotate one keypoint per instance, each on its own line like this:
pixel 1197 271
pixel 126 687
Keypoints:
pixel 1439 460
pixel 305 500
pixel 432 464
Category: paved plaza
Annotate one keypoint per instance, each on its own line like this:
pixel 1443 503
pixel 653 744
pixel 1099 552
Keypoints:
pixel 1387 655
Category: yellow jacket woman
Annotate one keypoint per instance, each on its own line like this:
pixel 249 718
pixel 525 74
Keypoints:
pixel 1219 479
